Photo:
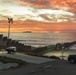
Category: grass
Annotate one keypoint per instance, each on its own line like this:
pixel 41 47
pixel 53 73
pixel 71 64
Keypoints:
pixel 5 59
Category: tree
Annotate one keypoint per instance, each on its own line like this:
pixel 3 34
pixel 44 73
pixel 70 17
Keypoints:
pixel 58 46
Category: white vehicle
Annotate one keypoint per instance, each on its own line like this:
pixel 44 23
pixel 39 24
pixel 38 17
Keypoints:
pixel 11 49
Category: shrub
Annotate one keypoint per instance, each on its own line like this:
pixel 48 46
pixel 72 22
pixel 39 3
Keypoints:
pixel 54 57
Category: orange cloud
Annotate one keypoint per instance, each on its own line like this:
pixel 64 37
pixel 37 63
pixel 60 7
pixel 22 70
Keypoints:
pixel 53 4
pixel 70 4
pixel 36 3
pixel 20 26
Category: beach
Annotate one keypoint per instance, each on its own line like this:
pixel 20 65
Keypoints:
pixel 57 67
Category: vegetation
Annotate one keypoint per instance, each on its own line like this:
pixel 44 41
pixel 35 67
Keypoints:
pixel 52 57
pixel 58 46
pixel 5 59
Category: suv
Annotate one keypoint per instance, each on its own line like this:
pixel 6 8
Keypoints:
pixel 72 58
pixel 11 49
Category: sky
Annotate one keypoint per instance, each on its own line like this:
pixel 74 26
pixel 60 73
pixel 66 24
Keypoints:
pixel 38 15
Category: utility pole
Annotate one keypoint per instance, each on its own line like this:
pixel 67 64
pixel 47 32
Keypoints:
pixel 10 20
pixel 62 53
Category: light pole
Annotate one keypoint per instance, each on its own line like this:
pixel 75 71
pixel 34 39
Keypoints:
pixel 10 20
pixel 62 53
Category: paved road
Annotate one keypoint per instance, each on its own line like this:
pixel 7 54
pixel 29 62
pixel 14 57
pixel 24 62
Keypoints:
pixel 27 58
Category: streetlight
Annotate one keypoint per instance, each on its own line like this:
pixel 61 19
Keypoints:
pixel 62 53
pixel 10 20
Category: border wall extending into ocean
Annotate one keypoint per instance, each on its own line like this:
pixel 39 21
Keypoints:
pixel 20 47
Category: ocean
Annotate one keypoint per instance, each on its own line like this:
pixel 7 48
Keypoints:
pixel 42 39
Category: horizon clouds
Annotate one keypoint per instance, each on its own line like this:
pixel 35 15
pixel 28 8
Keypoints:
pixel 44 12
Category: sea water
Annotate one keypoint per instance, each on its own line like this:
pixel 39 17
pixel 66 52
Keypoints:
pixel 42 39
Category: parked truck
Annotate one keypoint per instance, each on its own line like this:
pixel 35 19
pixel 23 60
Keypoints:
pixel 72 58
pixel 11 49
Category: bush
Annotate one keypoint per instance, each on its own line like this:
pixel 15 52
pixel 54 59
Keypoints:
pixel 54 57
pixel 58 46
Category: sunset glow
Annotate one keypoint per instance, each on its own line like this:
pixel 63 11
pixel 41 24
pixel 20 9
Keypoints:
pixel 38 15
